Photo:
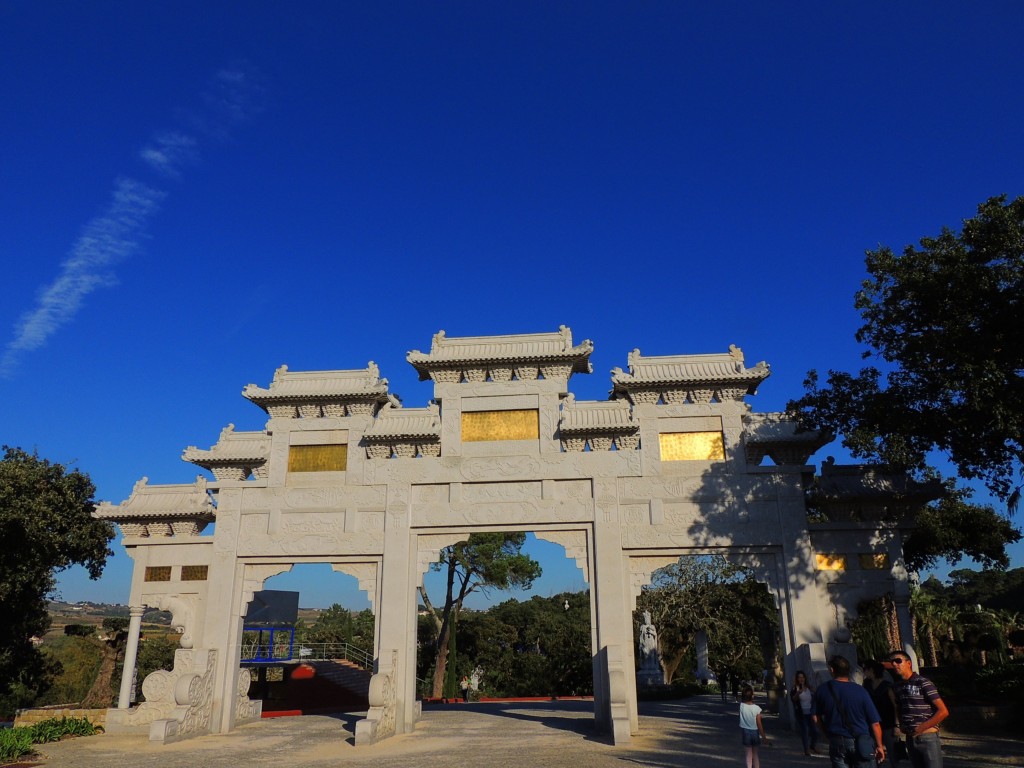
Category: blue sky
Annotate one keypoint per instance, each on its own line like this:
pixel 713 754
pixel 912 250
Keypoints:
pixel 194 193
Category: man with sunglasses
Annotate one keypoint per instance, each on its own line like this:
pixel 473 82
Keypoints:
pixel 921 709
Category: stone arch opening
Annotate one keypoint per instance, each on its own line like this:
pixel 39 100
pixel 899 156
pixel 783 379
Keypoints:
pixel 513 629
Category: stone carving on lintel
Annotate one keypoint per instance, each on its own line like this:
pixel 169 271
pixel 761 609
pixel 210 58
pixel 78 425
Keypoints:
pixel 502 358
pixel 235 456
pixel 313 394
pixel 779 437
pixel 161 510
pixel 681 379
pixel 404 432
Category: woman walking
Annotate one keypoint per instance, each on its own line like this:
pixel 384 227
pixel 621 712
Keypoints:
pixel 751 727
pixel 803 704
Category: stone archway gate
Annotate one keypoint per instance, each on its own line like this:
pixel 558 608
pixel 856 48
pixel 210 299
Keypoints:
pixel 670 464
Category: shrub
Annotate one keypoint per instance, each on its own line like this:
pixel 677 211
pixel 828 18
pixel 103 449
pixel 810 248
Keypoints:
pixel 56 728
pixel 15 743
pixel 80 630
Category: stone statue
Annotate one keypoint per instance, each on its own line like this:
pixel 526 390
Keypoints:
pixel 650 661
pixel 648 637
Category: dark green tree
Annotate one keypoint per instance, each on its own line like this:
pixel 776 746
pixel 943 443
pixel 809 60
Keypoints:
pixel 46 525
pixel 535 648
pixel 943 321
pixel 485 561
pixel 710 594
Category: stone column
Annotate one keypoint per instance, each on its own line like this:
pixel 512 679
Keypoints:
pixel 617 711
pixel 906 627
pixel 701 640
pixel 131 653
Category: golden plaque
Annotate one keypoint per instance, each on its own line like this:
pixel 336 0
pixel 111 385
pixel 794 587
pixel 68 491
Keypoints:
pixel 830 562
pixel 317 458
pixel 478 426
pixel 874 561
pixel 692 446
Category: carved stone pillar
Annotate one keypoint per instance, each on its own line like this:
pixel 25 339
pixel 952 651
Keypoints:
pixel 131 653
pixel 701 640
pixel 906 627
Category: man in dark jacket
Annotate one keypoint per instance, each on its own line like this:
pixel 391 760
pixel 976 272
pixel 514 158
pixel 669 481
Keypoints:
pixel 845 712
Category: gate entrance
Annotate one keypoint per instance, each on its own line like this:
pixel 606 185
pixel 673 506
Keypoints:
pixel 342 473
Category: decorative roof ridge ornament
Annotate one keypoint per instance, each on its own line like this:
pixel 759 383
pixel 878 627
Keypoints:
pixel 235 455
pixel 161 510
pixel 310 394
pixel 499 358
pixel 678 379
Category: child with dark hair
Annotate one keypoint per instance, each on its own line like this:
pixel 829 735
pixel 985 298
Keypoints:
pixel 751 727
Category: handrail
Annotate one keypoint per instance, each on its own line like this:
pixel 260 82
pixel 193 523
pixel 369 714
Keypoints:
pixel 253 650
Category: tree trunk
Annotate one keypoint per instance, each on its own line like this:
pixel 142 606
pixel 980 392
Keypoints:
pixel 669 667
pixel 101 694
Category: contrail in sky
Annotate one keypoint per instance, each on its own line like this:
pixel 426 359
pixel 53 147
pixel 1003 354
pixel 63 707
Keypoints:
pixel 115 235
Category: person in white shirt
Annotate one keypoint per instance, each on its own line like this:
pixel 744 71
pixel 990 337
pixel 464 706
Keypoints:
pixel 751 727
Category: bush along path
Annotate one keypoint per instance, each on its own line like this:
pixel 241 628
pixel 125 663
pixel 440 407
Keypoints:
pixel 16 743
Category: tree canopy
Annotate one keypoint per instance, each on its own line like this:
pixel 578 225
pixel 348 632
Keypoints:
pixel 46 525
pixel 484 561
pixel 709 593
pixel 943 321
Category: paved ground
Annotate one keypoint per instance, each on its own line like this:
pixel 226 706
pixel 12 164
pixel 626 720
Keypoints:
pixel 696 733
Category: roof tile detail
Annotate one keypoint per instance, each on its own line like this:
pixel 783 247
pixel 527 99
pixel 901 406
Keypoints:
pixel 231 447
pixel 161 501
pixel 479 351
pixel 596 416
pixel 396 422
pixel 716 369
pixel 296 386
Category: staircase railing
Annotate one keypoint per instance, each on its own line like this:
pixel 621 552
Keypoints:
pixel 334 652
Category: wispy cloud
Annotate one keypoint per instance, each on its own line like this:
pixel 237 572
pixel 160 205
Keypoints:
pixel 106 240
pixel 232 97
pixel 168 152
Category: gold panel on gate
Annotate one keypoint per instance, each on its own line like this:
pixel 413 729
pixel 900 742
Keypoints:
pixel 194 572
pixel 830 562
pixel 874 561
pixel 158 573
pixel 317 458
pixel 500 425
pixel 692 446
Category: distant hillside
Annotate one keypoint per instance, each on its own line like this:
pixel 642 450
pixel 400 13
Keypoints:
pixel 62 614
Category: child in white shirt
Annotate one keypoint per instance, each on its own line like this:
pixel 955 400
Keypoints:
pixel 751 727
